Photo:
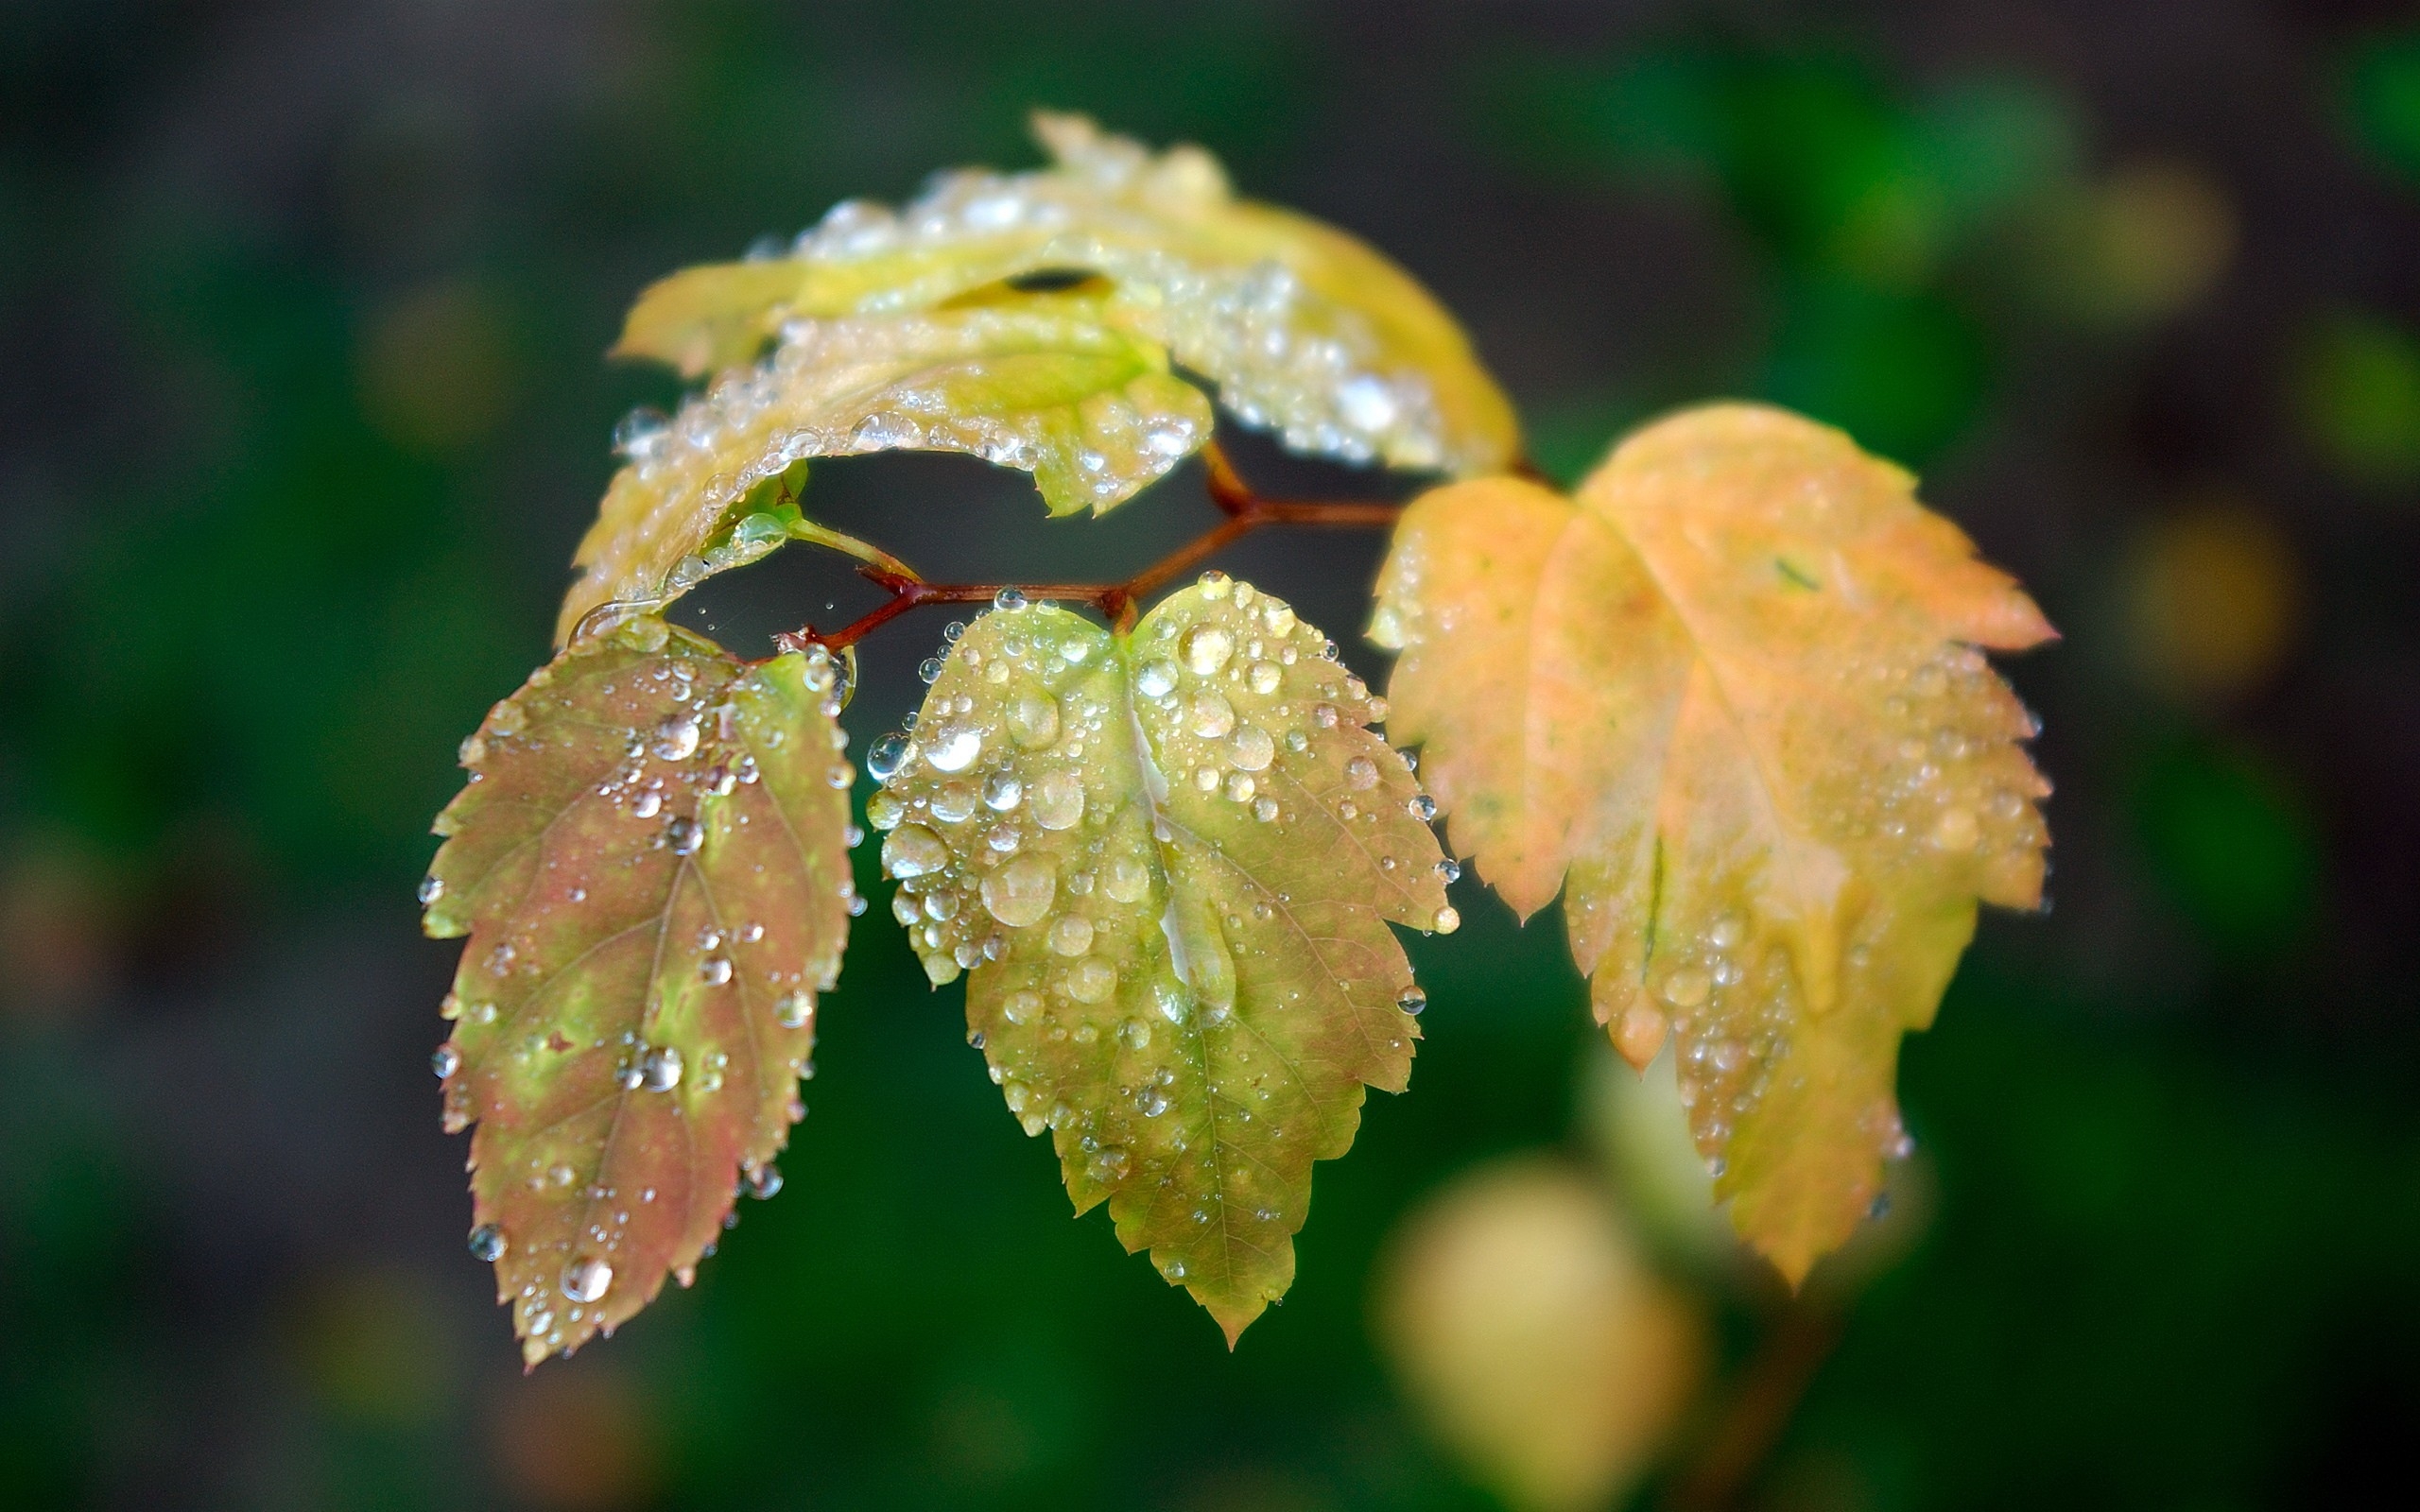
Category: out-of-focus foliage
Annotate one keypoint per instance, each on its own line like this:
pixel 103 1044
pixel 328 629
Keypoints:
pixel 1167 861
pixel 1536 1338
pixel 1729 703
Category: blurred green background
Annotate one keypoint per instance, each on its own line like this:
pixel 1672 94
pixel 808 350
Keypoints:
pixel 301 308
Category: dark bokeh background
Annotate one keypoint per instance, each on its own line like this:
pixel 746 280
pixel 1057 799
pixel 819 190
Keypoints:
pixel 300 315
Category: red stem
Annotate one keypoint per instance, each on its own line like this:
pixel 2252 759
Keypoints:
pixel 1245 511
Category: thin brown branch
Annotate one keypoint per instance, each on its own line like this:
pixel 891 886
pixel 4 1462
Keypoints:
pixel 1245 509
pixel 1762 1402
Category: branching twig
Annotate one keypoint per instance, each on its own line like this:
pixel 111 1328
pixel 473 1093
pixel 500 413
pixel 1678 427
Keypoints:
pixel 1245 511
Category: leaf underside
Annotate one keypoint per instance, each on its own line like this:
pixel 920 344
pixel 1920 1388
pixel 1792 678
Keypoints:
pixel 1729 701
pixel 1305 330
pixel 1168 862
pixel 650 864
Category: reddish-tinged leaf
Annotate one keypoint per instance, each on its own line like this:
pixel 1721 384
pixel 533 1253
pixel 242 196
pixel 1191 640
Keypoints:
pixel 651 866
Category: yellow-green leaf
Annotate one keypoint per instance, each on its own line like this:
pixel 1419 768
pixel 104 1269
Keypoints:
pixel 650 864
pixel 1305 330
pixel 1168 861
pixel 1040 383
pixel 1730 703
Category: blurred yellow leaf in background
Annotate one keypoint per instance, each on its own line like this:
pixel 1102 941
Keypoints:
pixel 1534 1339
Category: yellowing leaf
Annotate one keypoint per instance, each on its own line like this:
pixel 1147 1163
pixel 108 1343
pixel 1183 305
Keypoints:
pixel 1040 383
pixel 1305 330
pixel 1537 1343
pixel 1729 701
pixel 650 864
pixel 1168 860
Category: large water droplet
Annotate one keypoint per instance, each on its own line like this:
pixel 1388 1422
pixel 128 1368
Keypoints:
pixel 660 1069
pixel 488 1243
pixel 954 748
pixel 1155 678
pixel 1213 716
pixel 685 835
pixel 1360 773
pixel 1020 892
pixel 445 1062
pixel 431 889
pixel 1686 986
pixel 1412 1001
pixel 1125 879
pixel 1033 718
pixel 914 851
pixel 586 1279
pixel 1091 980
pixel 1252 750
pixel 1002 791
pixel 676 739
pixel 1207 649
pixel 762 1181
pixel 1072 935
pixel 795 1009
pixel 953 801
pixel 884 756
pixel 1059 801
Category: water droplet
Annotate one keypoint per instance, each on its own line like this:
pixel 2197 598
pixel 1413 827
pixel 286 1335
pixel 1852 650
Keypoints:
pixel 795 1009
pixel 1323 715
pixel 647 805
pixel 585 1280
pixel 445 1062
pixel 953 748
pixel 1360 773
pixel 1252 750
pixel 1421 807
pixel 715 970
pixel 676 739
pixel 1213 716
pixel 660 1069
pixel 1020 892
pixel 1151 1102
pixel 1072 935
pixel 1412 1001
pixel 884 811
pixel 914 851
pixel 1009 598
pixel 1134 1035
pixel 1207 649
pixel 763 1181
pixel 431 889
pixel 1091 980
pixel 1108 1164
pixel 1156 678
pixel 1686 986
pixel 1447 921
pixel 1264 809
pixel 488 1243
pixel 1214 584
pixel 953 801
pixel 1058 801
pixel 1033 718
pixel 1450 869
pixel 1125 879
pixel 882 758
pixel 1724 932
pixel 1002 791
pixel 1240 787
pixel 1264 678
pixel 685 835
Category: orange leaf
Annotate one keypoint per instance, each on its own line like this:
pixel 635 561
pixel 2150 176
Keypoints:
pixel 1728 701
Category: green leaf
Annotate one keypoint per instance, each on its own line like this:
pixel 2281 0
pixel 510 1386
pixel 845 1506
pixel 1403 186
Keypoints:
pixel 1306 331
pixel 650 864
pixel 1168 860
pixel 1040 383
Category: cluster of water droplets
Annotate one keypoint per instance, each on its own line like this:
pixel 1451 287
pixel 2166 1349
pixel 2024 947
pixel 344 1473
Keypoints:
pixel 1948 789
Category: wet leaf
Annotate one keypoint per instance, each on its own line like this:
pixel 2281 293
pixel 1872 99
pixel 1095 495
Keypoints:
pixel 1305 330
pixel 1040 383
pixel 650 864
pixel 1729 701
pixel 1168 861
